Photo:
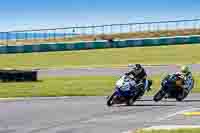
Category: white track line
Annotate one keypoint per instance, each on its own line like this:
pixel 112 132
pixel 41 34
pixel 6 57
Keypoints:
pixel 178 113
pixel 128 132
pixel 166 127
pixel 170 127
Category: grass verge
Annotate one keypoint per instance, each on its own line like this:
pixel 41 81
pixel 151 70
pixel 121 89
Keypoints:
pixel 182 54
pixel 70 86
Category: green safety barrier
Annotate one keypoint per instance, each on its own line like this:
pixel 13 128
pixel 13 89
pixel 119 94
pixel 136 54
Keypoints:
pixel 101 44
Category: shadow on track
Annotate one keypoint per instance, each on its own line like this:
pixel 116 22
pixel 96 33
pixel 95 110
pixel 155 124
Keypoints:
pixel 154 105
pixel 186 101
pixel 145 100
pixel 148 105
pixel 170 100
pixel 190 100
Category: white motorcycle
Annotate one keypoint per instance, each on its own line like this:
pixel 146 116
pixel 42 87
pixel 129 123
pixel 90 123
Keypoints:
pixel 126 91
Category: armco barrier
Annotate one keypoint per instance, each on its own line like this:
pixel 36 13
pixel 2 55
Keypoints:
pixel 101 44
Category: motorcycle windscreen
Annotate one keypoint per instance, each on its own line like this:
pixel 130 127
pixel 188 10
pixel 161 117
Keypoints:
pixel 125 90
pixel 125 87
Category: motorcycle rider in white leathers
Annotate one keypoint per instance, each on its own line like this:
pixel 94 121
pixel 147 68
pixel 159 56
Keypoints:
pixel 140 76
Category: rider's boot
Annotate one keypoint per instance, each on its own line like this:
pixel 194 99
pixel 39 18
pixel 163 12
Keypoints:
pixel 150 82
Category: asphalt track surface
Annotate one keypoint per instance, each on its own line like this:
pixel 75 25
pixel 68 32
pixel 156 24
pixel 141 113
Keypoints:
pixel 151 70
pixel 91 115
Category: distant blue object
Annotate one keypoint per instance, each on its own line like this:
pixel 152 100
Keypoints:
pixel 24 36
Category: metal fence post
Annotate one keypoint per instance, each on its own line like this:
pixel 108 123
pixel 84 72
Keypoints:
pixel 54 34
pixel 158 26
pixel 176 27
pixel 1 38
pixel 34 36
pixel 25 36
pixel 45 35
pixel 7 38
pixel 16 37
pixel 64 34
pixel 120 26
pixel 149 27
pixel 177 24
pixel 195 27
pixel 184 24
pixel 103 29
pixel 82 31
pixel 92 27
pixel 130 28
pixel 111 30
pixel 167 28
pixel 139 27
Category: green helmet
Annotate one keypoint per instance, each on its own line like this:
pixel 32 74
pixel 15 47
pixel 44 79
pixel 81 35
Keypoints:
pixel 185 69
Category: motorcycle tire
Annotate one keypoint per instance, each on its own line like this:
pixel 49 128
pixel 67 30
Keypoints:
pixel 159 95
pixel 132 100
pixel 110 99
pixel 181 98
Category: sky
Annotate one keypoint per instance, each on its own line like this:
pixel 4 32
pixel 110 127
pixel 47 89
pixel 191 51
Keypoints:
pixel 36 14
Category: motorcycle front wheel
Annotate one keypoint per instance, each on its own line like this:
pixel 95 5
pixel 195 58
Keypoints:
pixel 110 99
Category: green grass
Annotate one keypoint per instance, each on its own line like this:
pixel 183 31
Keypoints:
pixel 172 131
pixel 67 86
pixel 182 54
pixel 70 86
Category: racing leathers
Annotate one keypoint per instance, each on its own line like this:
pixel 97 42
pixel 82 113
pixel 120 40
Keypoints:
pixel 188 82
pixel 140 75
pixel 187 85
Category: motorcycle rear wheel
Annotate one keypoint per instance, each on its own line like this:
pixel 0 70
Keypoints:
pixel 132 100
pixel 159 95
pixel 181 98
